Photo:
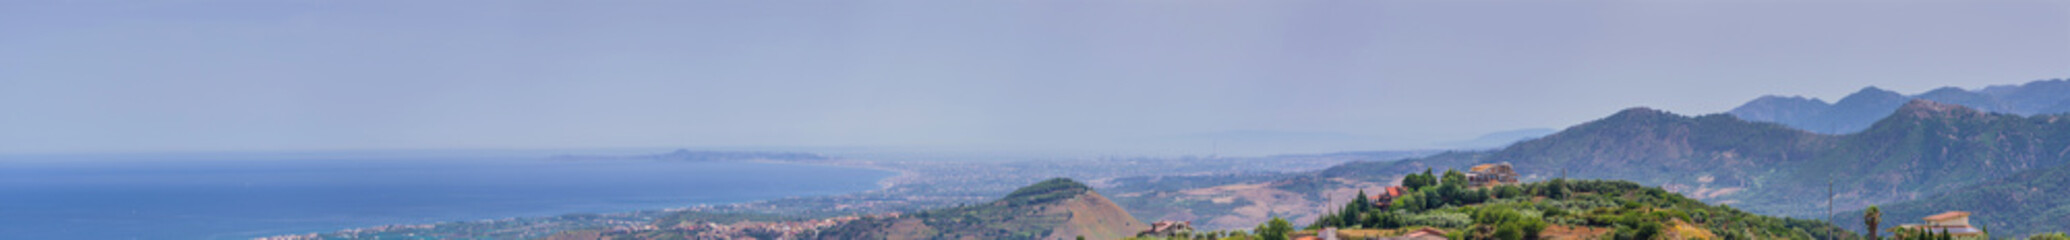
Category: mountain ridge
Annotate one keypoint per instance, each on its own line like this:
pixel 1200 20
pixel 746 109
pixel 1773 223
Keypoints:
pixel 1741 158
pixel 1859 110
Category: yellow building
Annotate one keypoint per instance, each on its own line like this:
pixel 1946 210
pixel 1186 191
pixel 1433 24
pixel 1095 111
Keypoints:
pixel 1491 174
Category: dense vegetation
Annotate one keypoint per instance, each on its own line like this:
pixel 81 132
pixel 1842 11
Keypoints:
pixel 1524 211
pixel 2021 204
pixel 1046 191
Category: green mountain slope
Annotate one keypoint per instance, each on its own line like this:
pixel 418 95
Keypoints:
pixel 2021 204
pixel 1053 209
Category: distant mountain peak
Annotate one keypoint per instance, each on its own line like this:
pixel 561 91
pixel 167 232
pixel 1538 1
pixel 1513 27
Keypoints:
pixel 1641 113
pixel 1870 93
pixel 1862 109
pixel 1641 110
pixel 1780 98
pixel 1874 90
pixel 1944 90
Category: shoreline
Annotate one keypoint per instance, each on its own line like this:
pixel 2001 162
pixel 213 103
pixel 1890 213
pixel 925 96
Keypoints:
pixel 883 184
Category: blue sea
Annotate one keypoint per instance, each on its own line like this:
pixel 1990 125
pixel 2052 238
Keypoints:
pixel 241 196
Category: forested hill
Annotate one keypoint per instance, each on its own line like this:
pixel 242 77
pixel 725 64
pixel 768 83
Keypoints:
pixel 1053 209
pixel 1858 111
pixel 1922 148
pixel 2021 204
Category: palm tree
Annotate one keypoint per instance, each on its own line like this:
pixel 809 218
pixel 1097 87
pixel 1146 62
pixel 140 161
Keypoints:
pixel 1873 216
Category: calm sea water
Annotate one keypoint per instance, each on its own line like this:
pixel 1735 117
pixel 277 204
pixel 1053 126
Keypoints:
pixel 203 197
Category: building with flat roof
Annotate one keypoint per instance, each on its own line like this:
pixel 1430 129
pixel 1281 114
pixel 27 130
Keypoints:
pixel 1954 223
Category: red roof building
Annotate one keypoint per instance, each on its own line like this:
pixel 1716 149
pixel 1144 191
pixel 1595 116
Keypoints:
pixel 1387 196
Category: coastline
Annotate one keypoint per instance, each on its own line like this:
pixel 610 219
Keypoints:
pixel 897 177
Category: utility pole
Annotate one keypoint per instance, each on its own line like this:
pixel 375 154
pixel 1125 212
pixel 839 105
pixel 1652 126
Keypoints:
pixel 1829 204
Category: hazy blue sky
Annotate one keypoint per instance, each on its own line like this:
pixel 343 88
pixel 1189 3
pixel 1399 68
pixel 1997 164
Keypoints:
pixel 1117 76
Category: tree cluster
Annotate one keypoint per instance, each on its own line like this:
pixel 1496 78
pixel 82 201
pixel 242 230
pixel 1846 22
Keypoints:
pixel 1522 211
pixel 1277 229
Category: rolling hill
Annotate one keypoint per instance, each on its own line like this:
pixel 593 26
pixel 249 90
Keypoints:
pixel 1052 209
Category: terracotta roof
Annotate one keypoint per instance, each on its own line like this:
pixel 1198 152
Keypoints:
pixel 1947 215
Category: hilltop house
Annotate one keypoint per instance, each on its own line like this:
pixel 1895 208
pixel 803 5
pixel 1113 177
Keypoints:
pixel 1491 174
pixel 1953 222
pixel 1386 196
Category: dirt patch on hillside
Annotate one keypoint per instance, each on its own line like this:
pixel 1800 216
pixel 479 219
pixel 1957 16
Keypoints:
pixel 1683 230
pixel 1267 201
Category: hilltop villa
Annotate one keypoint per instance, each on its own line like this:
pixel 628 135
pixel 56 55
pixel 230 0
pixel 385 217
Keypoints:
pixel 1953 222
pixel 1491 174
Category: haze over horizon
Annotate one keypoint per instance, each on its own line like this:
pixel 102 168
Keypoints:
pixel 1152 77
